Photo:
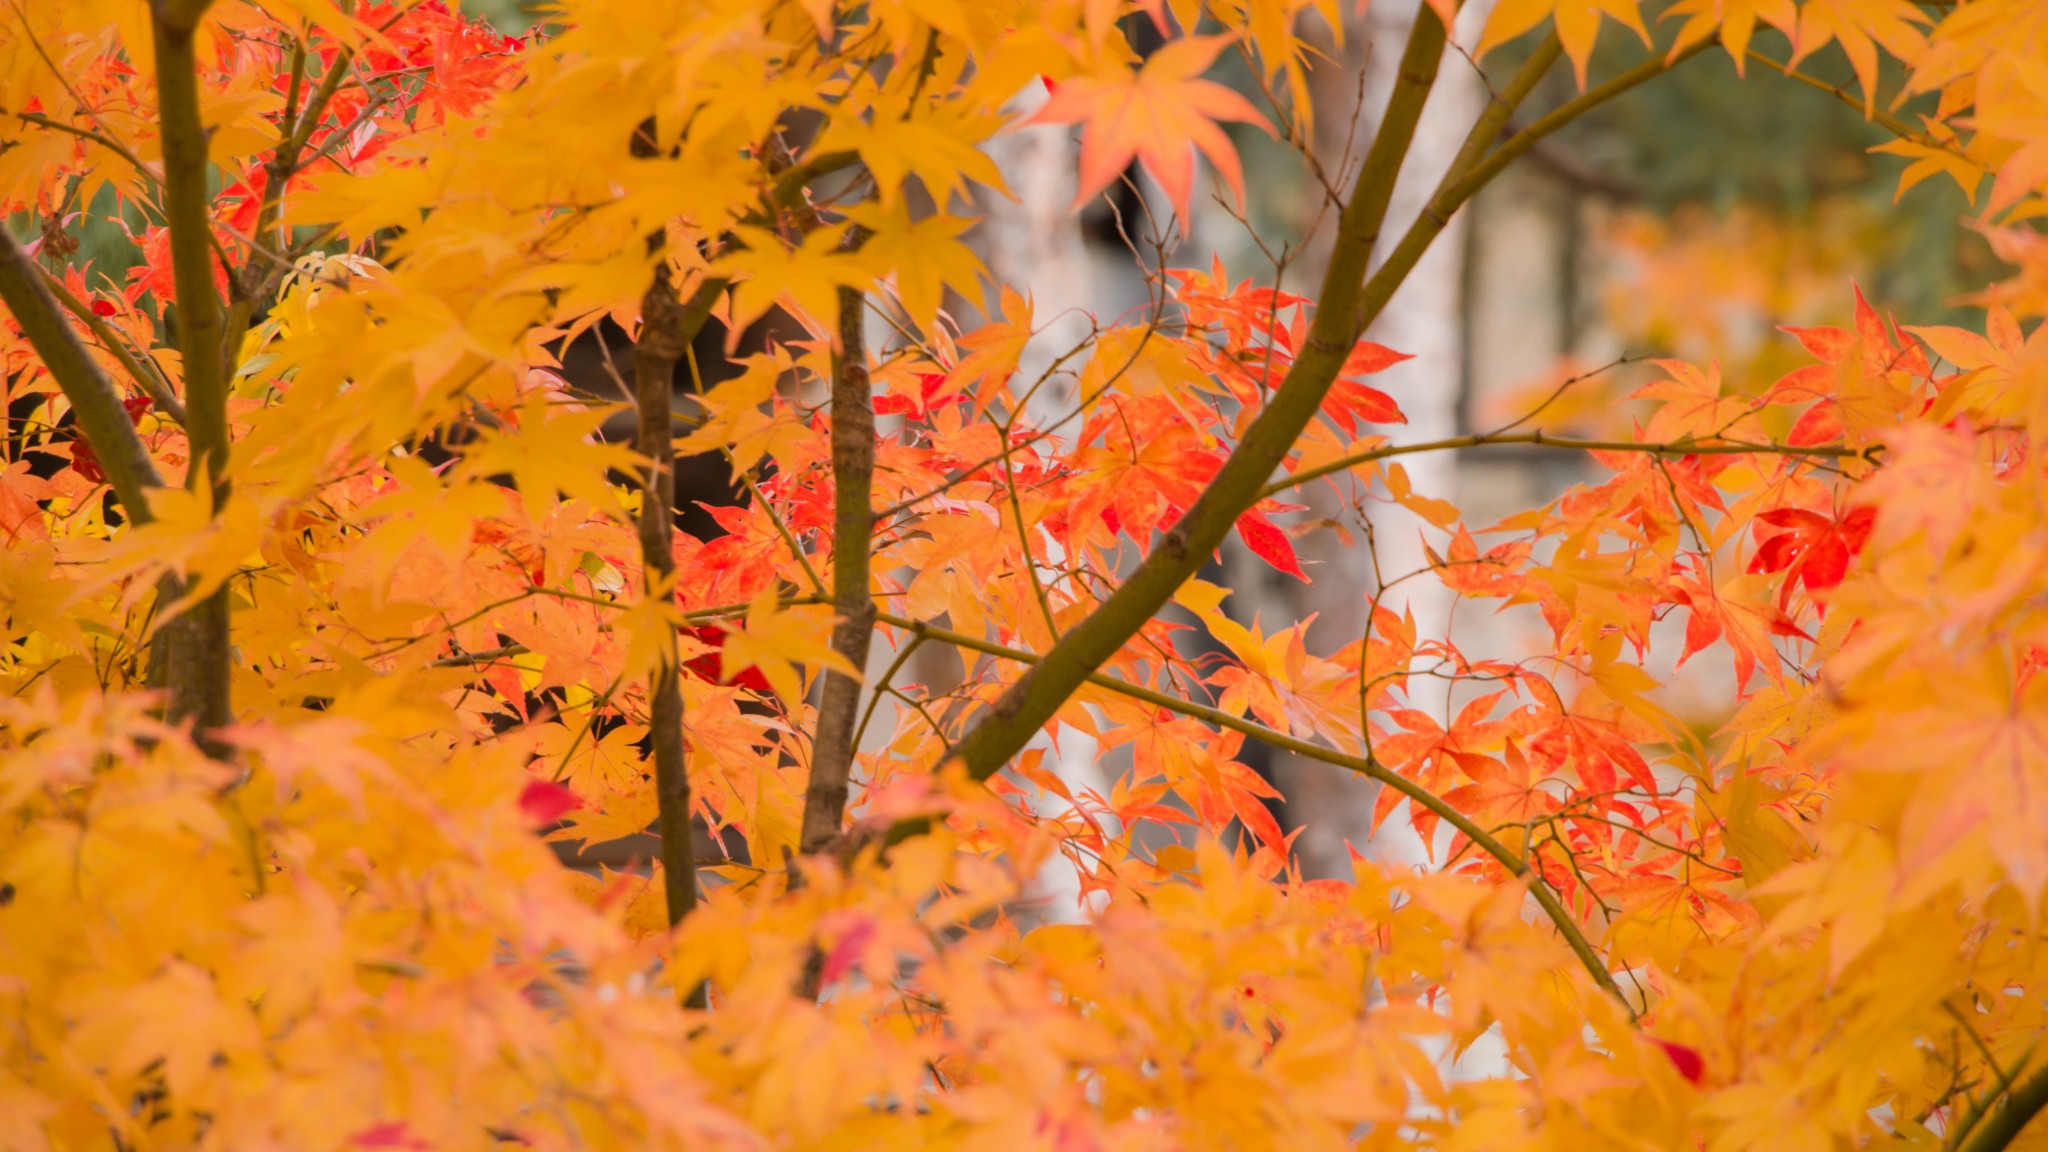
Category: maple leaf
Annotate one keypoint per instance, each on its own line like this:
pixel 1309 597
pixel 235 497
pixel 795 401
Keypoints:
pixel 1578 25
pixel 1860 27
pixel 934 144
pixel 1944 156
pixel 606 762
pixel 1811 549
pixel 553 450
pixel 925 257
pixel 1503 791
pixel 1441 513
pixel 930 385
pixel 544 802
pixel 1269 543
pixel 1684 1058
pixel 1735 20
pixel 1157 115
pixel 711 664
pixel 174 1017
pixel 1351 403
pixel 776 640
pixel 805 276
pixel 1733 613
pixel 1970 716
pixel 736 421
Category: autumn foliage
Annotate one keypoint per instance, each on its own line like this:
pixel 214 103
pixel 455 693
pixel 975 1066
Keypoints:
pixel 330 613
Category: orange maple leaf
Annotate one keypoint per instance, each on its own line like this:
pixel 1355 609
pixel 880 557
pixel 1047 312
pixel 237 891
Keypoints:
pixel 1153 115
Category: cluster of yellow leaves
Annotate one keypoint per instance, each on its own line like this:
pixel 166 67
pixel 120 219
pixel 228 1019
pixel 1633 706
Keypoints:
pixel 405 966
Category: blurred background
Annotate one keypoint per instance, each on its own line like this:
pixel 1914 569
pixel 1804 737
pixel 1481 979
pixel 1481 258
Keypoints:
pixel 1688 219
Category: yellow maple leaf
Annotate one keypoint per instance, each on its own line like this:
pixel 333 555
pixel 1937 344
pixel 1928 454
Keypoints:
pixel 1578 25
pixel 776 640
pixel 926 257
pixel 552 449
pixel 806 278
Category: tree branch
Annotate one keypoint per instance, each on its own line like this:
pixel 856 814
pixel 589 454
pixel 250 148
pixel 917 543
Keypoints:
pixel 1865 104
pixel 1018 714
pixel 1347 308
pixel 143 372
pixel 198 663
pixel 853 472
pixel 254 282
pixel 655 353
pixel 1999 1129
pixel 1565 443
pixel 93 398
pixel 1470 172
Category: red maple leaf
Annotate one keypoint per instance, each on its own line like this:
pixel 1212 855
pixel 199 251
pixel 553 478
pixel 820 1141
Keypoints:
pixel 1687 1060
pixel 545 802
pixel 1811 549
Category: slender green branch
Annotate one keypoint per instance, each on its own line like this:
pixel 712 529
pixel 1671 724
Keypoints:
pixel 1546 898
pixel 883 685
pixel 790 183
pixel 296 86
pixel 1347 308
pixel 93 398
pixel 150 380
pixel 265 270
pixel 2000 1128
pixel 1459 187
pixel 1683 447
pixel 1464 180
pixel 1962 1126
pixel 1866 104
pixel 298 131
